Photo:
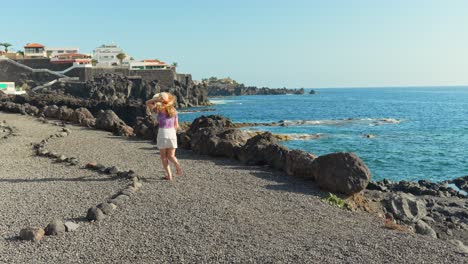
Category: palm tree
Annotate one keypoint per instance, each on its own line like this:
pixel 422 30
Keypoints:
pixel 20 52
pixel 5 45
pixel 175 64
pixel 121 57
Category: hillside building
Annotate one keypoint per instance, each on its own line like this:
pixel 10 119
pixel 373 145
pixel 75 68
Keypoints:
pixel 106 55
pixel 52 52
pixel 148 65
pixel 34 50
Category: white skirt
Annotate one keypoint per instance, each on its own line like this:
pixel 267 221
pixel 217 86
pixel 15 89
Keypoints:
pixel 167 138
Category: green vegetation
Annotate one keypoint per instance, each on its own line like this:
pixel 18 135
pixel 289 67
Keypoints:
pixel 175 64
pixel 334 200
pixel 20 52
pixel 94 62
pixel 121 57
pixel 5 46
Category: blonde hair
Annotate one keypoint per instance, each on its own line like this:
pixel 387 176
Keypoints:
pixel 167 104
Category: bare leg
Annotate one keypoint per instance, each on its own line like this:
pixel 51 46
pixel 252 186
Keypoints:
pixel 165 163
pixel 172 158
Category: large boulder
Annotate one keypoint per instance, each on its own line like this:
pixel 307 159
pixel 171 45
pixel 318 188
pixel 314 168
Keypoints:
pixel 81 116
pixel 51 111
pixel 263 149
pixel 204 141
pixel 146 128
pixel 341 172
pixel 216 122
pixel 299 163
pixel 222 143
pixel 31 110
pixel 405 207
pixel 183 140
pixel 109 121
pixel 65 113
pixel 13 108
pixel 230 142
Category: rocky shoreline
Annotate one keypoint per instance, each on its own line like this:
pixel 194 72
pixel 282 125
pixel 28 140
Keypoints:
pixel 214 91
pixel 426 208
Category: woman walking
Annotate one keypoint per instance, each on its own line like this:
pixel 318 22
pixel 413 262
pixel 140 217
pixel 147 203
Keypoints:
pixel 163 110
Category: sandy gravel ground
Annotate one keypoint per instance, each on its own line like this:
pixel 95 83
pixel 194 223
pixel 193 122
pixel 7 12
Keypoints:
pixel 218 211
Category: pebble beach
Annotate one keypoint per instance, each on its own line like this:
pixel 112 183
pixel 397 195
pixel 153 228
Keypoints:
pixel 218 211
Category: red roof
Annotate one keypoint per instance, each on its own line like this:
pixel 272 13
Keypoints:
pixel 34 45
pixel 73 55
pixel 155 61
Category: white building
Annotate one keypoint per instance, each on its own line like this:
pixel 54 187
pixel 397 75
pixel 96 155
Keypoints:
pixel 52 52
pixel 106 55
pixel 34 50
pixel 148 65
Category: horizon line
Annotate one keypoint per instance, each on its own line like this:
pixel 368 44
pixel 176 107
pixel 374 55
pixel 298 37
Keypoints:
pixel 391 86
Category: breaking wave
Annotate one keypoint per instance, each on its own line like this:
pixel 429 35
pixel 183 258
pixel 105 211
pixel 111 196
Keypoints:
pixel 341 122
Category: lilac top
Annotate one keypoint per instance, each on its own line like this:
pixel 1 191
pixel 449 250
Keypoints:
pixel 165 121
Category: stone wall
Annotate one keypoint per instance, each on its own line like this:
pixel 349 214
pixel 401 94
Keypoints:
pixel 165 77
pixel 11 72
pixel 44 64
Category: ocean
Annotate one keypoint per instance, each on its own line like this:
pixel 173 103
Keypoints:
pixel 414 133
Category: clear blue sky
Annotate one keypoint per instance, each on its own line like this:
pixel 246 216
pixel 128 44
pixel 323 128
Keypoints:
pixel 294 43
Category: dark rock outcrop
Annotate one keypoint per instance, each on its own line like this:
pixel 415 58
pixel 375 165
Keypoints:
pixel 215 122
pixel 119 89
pixel 299 163
pixel 419 188
pixel 263 149
pixel 341 172
pixel 109 121
pixel 461 182
pixel 146 128
pixel 236 90
pixel 405 207
pixel 82 116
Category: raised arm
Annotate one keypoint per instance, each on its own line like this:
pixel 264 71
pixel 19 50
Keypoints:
pixel 150 103
pixel 176 121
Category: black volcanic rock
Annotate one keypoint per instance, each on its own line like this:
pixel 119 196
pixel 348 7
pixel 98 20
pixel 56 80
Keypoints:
pixel 341 172
pixel 236 90
pixel 299 163
pixel 263 149
pixel 216 122
pixel 461 182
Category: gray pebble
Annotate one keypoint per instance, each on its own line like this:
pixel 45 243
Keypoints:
pixel 56 227
pixel 106 208
pixel 95 214
pixel 71 226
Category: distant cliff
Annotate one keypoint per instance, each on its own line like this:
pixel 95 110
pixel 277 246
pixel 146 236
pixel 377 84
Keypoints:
pixel 229 87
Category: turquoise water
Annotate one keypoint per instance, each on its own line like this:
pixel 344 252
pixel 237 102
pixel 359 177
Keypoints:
pixel 420 133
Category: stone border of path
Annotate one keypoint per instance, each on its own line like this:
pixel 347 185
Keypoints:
pixel 95 213
pixel 10 131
